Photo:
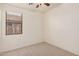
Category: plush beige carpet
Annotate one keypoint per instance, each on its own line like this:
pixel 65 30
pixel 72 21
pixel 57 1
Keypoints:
pixel 41 49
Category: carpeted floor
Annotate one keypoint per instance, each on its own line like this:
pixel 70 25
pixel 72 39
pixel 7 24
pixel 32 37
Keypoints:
pixel 41 49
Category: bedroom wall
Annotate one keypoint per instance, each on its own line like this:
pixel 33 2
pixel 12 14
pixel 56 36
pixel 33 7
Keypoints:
pixel 0 23
pixel 32 29
pixel 62 27
pixel 1 27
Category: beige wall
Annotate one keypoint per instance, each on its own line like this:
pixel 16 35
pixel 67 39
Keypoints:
pixel 32 29
pixel 0 24
pixel 62 27
pixel 0 29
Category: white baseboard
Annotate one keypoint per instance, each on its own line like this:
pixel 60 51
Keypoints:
pixel 77 54
pixel 26 45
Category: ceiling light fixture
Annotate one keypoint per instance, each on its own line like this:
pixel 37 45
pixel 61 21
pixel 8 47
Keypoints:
pixel 40 4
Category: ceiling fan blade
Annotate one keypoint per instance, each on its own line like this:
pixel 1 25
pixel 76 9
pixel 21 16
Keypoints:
pixel 47 4
pixel 37 6
pixel 30 3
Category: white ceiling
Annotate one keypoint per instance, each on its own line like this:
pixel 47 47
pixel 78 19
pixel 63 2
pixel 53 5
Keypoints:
pixel 42 8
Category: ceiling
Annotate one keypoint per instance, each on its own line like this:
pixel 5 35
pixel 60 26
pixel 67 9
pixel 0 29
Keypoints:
pixel 41 8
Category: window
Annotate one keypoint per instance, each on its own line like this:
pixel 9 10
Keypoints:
pixel 13 23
